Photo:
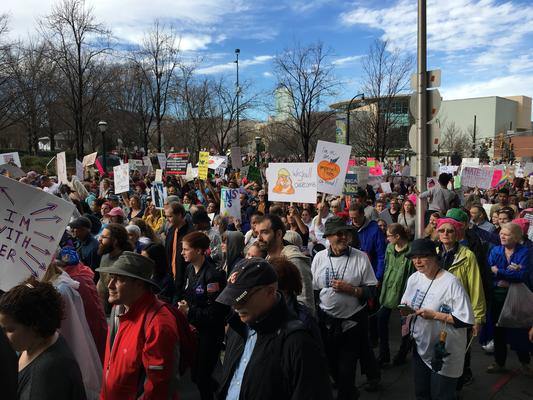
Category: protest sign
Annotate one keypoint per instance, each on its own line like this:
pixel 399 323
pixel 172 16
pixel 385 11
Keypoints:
pixel 374 167
pixel 148 163
pixel 477 177
pixel 350 184
pixel 217 162
pixel 13 158
pixel 89 159
pixel 33 222
pixel 158 194
pixel 203 164
pixel 236 159
pixel 230 203
pixel 191 173
pixel 12 170
pixel 121 176
pixel 292 182
pixel 61 167
pixel 135 165
pixel 431 182
pixel 362 175
pixel 448 169
pixel 79 170
pixel 386 187
pixel 470 162
pixel 331 160
pixel 176 163
pixel 159 175
pixel 162 160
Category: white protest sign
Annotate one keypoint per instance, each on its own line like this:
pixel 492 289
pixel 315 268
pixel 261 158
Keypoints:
pixel 191 174
pixel 61 167
pixel 362 173
pixel 32 223
pixel 386 187
pixel 292 182
pixel 470 162
pixel 216 162
pixel 159 175
pixel 230 203
pixel 79 170
pixel 89 159
pixel 448 169
pixel 6 158
pixel 236 159
pixel 477 177
pixel 162 159
pixel 148 163
pixel 332 163
pixel 121 176
pixel 135 164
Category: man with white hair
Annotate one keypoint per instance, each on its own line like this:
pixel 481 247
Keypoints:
pixel 134 234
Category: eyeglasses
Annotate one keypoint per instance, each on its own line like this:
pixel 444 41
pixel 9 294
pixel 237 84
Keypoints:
pixel 342 233
pixel 442 230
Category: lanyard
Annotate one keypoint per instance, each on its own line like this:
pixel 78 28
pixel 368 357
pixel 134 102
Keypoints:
pixel 335 274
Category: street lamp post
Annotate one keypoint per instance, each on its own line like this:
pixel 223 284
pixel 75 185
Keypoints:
pixel 102 127
pixel 362 95
pixel 257 143
pixel 238 90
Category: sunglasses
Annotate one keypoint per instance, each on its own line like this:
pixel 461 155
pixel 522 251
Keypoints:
pixel 442 230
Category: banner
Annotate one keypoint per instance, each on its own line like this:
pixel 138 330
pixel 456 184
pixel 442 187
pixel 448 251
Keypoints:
pixel 61 167
pixel 32 223
pixel 203 163
pixel 477 177
pixel 13 158
pixel 236 158
pixel 79 170
pixel 292 182
pixel 121 176
pixel 230 203
pixel 176 163
pixel 158 194
pixel 332 162
pixel 162 160
pixel 89 159
pixel 340 130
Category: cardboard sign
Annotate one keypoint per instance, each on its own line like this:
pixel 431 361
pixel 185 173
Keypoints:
pixel 89 159
pixel 121 176
pixel 159 175
pixel 477 177
pixel 61 167
pixel 230 203
pixel 79 170
pixel 332 162
pixel 13 158
pixel 236 158
pixel 203 164
pixel 162 160
pixel 350 184
pixel 292 182
pixel 176 163
pixel 32 223
pixel 158 194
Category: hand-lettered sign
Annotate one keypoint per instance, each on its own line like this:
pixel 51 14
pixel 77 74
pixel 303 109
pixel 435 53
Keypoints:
pixel 121 176
pixel 31 225
pixel 13 158
pixel 332 162
pixel 203 165
pixel 230 203
pixel 292 182
pixel 89 159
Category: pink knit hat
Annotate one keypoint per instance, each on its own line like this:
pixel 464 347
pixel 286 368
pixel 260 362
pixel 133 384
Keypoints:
pixel 523 224
pixel 459 229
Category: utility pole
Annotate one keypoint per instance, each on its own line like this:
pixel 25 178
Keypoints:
pixel 474 138
pixel 421 123
pixel 238 88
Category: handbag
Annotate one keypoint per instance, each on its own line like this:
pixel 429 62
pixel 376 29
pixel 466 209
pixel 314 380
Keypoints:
pixel 517 310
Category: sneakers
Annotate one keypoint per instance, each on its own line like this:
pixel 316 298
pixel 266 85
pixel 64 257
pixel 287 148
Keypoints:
pixel 489 347
pixel 495 368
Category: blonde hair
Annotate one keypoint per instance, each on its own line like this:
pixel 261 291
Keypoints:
pixel 515 230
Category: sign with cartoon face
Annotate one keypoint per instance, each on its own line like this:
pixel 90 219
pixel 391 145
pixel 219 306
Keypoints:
pixel 332 163
pixel 292 182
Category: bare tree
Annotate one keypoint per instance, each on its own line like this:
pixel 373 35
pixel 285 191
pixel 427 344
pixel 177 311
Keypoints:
pixel 306 78
pixel 454 140
pixel 157 60
pixel 386 77
pixel 8 99
pixel 77 43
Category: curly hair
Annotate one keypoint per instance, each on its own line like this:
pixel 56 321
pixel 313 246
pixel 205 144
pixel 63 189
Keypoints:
pixel 37 305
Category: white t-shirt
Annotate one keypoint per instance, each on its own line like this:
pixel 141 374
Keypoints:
pixel 445 295
pixel 318 230
pixel 355 269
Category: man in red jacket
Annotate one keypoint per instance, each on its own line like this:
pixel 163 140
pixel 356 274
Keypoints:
pixel 140 357
pixel 69 260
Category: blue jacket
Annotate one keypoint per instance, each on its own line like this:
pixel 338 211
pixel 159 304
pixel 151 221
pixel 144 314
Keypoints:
pixel 374 244
pixel 520 257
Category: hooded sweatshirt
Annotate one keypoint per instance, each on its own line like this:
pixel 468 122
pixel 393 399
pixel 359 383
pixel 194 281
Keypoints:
pixel 374 244
pixel 234 248
pixel 302 262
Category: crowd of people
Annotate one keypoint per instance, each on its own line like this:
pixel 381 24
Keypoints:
pixel 281 303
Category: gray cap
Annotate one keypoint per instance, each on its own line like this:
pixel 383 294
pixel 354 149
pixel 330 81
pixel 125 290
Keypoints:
pixel 132 265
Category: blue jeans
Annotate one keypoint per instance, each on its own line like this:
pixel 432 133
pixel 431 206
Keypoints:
pixel 430 385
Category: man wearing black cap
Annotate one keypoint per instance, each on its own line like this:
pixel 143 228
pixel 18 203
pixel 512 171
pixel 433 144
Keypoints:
pixel 343 280
pixel 86 244
pixel 269 353
pixel 142 337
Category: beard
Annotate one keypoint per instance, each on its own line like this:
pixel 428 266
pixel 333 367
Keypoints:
pixel 104 249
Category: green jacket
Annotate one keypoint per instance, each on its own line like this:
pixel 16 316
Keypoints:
pixel 397 269
pixel 466 269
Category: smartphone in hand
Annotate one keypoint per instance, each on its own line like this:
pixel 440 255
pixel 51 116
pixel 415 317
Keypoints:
pixel 405 310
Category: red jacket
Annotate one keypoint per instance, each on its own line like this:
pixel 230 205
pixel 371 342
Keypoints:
pixel 94 310
pixel 131 354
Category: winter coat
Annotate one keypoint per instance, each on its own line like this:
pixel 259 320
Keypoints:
pixel 398 268
pixel 234 249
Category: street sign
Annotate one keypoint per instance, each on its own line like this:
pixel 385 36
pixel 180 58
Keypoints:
pixel 433 132
pixel 433 79
pixel 434 101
